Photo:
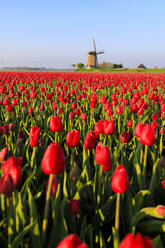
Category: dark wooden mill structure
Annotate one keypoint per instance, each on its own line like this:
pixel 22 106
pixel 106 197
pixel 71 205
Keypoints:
pixel 92 61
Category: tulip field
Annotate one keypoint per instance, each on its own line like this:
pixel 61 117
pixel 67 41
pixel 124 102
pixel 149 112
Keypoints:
pixel 82 160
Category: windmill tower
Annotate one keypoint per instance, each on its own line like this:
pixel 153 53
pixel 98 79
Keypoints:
pixel 92 61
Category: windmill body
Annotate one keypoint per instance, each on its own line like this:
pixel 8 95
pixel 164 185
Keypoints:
pixel 92 61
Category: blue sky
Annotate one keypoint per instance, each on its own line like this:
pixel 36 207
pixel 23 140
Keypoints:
pixel 59 33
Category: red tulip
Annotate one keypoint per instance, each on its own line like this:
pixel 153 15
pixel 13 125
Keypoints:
pixel 163 183
pixel 71 115
pixel 119 110
pixel 138 129
pixel 124 137
pixel 6 185
pixel 102 154
pixel 109 127
pixel 129 123
pixel 74 207
pixel 160 209
pixel 3 154
pixel 162 130
pixel 53 161
pixel 107 166
pixel 56 124
pixel 90 140
pixel 120 180
pixel 73 138
pixel 72 241
pixel 99 127
pixel 30 110
pixel 147 136
pixel 12 166
pixel 83 117
pixel 34 136
pixel 136 241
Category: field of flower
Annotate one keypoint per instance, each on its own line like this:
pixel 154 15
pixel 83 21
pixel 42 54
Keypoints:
pixel 82 154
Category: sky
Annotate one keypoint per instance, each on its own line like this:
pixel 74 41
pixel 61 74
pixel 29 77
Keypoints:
pixel 54 33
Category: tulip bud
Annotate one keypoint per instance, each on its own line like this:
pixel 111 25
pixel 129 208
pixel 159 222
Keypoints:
pixel 138 129
pixel 102 154
pixel 136 241
pixel 73 138
pixel 90 140
pixel 124 137
pixel 12 166
pixel 6 185
pixel 74 207
pixel 53 161
pixel 3 154
pixel 147 136
pixel 34 136
pixel 160 209
pixel 120 180
pixel 99 127
pixel 72 241
pixel 109 127
pixel 56 124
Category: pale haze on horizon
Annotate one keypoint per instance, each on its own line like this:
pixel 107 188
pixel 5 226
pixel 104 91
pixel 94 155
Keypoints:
pixel 59 33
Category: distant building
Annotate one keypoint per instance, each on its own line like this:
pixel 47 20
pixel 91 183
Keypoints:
pixel 141 66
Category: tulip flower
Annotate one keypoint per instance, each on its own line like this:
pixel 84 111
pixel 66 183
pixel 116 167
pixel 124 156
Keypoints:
pixel 73 138
pixel 30 110
pixel 124 137
pixel 90 140
pixel 6 184
pixel 102 154
pixel 56 124
pixel 136 241
pixel 138 129
pixel 3 154
pixel 74 207
pixel 120 180
pixel 72 241
pixel 34 136
pixel 160 209
pixel 12 167
pixel 109 127
pixel 99 127
pixel 147 135
pixel 53 161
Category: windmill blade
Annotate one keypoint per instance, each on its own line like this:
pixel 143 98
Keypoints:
pixel 94 45
pixel 100 52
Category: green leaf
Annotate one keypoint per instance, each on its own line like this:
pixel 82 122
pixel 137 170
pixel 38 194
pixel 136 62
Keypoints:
pixel 33 217
pixel 157 242
pixel 19 238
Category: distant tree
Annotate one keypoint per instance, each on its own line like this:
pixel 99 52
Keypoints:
pixel 118 66
pixel 106 65
pixel 74 66
pixel 80 66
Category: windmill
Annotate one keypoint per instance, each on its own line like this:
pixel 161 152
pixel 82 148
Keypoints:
pixel 92 61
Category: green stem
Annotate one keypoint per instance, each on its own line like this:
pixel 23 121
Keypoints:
pixel 10 221
pixel 141 156
pixel 55 137
pixel 46 213
pixel 145 163
pixel 33 158
pixel 117 214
